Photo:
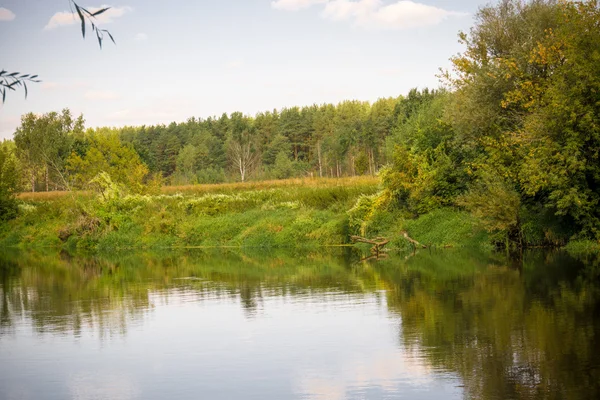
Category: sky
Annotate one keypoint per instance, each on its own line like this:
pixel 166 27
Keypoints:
pixel 177 59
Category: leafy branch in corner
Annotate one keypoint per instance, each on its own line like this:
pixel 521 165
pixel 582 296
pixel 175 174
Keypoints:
pixel 12 80
pixel 86 16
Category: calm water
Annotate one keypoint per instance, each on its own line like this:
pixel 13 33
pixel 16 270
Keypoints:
pixel 442 325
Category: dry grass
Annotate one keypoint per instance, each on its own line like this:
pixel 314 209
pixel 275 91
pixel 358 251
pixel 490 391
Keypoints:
pixel 48 196
pixel 273 184
pixel 228 187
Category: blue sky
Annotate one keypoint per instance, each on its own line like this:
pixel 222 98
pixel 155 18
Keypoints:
pixel 177 59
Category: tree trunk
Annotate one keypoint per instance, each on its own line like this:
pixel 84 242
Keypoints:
pixel 33 181
pixel 319 158
pixel 242 171
pixel 46 172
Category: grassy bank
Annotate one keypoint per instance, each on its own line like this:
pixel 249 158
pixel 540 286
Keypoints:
pixel 221 188
pixel 272 214
pixel 290 213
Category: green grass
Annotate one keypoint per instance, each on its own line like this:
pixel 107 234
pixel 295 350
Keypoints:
pixel 278 214
pixel 444 227
pixel 447 227
pixel 306 214
pixel 578 247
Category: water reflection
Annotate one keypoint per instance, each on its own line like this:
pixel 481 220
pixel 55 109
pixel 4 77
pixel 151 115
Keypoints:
pixel 452 324
pixel 529 332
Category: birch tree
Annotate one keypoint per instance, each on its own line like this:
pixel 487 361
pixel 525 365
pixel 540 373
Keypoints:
pixel 242 145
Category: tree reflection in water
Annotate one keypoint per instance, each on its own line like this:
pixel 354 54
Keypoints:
pixel 511 329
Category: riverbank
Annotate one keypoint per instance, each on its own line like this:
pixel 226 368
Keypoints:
pixel 273 214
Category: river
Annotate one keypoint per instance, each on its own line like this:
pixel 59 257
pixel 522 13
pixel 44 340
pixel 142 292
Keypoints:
pixel 452 324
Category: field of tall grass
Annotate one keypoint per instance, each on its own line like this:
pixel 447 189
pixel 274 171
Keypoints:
pixel 292 213
pixel 271 214
pixel 224 187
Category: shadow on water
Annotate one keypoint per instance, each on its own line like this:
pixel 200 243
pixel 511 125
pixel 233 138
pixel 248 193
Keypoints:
pixel 510 328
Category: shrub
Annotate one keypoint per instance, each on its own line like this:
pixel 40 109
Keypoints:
pixel 9 179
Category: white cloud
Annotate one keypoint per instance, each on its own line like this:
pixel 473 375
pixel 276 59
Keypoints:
pixel 48 85
pixel 374 14
pixel 51 85
pixel 101 95
pixel 140 116
pixel 68 18
pixel 391 71
pixel 6 14
pixel 294 5
pixel 234 64
pixel 140 37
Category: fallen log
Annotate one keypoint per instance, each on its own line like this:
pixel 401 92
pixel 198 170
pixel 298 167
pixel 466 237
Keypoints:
pixel 413 241
pixel 377 243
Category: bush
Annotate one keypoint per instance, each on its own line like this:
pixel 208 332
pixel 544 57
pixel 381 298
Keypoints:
pixel 283 167
pixel 495 203
pixel 9 178
pixel 211 175
pixel 447 226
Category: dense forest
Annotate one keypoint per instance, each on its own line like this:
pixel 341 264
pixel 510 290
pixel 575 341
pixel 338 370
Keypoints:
pixel 513 136
pixel 56 152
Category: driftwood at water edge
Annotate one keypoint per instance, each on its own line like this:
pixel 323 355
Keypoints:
pixel 413 241
pixel 377 243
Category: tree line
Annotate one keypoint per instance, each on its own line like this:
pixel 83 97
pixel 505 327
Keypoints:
pixel 56 152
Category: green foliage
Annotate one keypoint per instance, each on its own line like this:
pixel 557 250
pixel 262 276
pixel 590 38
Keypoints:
pixel 279 144
pixel 211 175
pixel 525 103
pixel 187 162
pixel 105 187
pixel 294 216
pixel 361 214
pixel 9 182
pixel 108 157
pixel 44 142
pixel 446 227
pixel 283 167
pixel 578 247
pixel 361 163
pixel 495 203
pixel 425 170
pixel 328 140
pixel 540 226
